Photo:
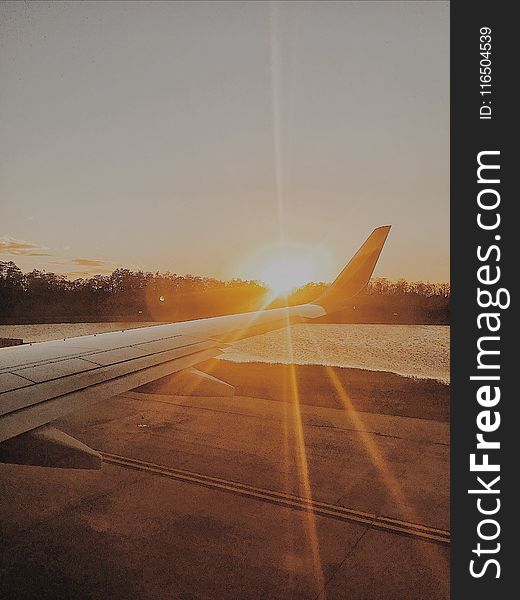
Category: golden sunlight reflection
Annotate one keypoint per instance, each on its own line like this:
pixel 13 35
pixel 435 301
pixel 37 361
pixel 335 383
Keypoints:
pixel 303 465
pixel 371 447
pixel 391 482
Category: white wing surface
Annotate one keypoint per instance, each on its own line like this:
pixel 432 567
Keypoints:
pixel 41 382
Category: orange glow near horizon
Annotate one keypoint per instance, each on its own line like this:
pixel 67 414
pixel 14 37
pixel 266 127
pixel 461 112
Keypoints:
pixel 286 274
pixel 284 266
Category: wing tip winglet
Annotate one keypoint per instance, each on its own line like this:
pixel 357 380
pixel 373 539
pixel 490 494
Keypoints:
pixel 356 275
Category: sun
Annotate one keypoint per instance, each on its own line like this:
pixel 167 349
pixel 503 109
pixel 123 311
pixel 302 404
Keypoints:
pixel 284 266
pixel 287 273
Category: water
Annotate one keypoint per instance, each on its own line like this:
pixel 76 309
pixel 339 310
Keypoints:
pixel 410 350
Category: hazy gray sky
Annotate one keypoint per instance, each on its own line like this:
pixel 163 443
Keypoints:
pixel 191 136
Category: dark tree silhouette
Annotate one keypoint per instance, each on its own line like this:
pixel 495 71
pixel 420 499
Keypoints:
pixel 127 295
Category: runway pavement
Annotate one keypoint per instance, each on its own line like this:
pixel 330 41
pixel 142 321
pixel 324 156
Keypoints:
pixel 126 532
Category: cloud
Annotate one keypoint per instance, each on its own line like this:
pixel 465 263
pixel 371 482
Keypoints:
pixel 20 248
pixel 12 247
pixel 83 274
pixel 89 262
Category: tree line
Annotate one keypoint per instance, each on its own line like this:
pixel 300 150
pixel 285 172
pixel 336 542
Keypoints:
pixel 40 296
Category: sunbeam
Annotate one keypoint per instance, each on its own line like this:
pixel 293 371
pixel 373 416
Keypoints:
pixel 303 466
pixel 372 449
pixel 430 555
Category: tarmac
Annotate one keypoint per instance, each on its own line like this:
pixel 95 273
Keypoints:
pixel 233 498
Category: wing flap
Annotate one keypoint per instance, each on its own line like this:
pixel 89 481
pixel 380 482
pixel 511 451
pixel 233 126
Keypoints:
pixel 110 357
pixel 58 401
pixel 29 355
pixel 46 390
pixel 10 381
pixel 55 370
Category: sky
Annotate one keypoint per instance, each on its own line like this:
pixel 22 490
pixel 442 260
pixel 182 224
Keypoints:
pixel 215 138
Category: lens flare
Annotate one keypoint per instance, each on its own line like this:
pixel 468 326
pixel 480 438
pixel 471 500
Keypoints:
pixel 287 273
pixel 286 265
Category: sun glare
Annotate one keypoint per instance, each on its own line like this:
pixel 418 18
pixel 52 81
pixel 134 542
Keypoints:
pixel 285 266
pixel 287 273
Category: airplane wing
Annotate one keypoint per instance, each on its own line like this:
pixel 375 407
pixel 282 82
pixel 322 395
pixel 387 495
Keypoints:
pixel 44 381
